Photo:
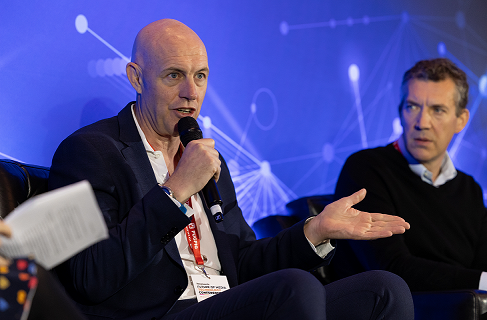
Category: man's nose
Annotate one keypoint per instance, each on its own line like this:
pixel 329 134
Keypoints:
pixel 188 90
pixel 423 119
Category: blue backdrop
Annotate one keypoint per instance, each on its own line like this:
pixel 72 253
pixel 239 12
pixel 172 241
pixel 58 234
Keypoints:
pixel 295 86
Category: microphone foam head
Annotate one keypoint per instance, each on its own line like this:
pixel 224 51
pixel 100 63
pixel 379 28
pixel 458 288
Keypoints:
pixel 189 130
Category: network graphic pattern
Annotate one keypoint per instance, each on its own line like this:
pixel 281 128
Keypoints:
pixel 403 39
pixel 260 192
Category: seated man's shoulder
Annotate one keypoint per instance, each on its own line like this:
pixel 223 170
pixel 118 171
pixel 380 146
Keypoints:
pixel 374 155
pixel 465 180
pixel 106 128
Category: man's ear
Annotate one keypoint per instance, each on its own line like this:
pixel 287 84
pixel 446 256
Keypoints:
pixel 462 120
pixel 134 74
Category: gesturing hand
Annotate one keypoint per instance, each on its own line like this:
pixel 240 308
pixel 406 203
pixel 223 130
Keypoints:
pixel 340 221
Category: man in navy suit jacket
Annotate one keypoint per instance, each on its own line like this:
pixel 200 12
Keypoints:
pixel 147 185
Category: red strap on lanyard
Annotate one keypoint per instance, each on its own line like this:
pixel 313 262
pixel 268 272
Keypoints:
pixel 396 146
pixel 193 237
pixel 191 230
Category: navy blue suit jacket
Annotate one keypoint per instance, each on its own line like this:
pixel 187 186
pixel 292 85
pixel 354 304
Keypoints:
pixel 137 273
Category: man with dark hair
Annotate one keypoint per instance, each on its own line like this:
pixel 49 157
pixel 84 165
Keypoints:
pixel 415 178
pixel 147 185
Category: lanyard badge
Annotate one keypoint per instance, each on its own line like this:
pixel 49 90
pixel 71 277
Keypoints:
pixel 204 285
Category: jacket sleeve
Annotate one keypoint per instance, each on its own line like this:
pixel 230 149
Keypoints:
pixel 254 258
pixel 139 225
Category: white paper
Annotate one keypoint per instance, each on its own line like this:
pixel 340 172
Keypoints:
pixel 55 225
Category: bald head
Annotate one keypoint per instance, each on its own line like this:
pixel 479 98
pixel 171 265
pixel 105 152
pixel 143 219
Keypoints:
pixel 169 71
pixel 165 38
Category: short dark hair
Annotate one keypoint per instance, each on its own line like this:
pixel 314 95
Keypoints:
pixel 437 70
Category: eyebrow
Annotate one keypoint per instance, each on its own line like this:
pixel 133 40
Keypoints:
pixel 412 102
pixel 205 69
pixel 408 101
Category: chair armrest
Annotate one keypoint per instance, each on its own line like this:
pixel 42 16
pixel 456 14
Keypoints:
pixel 450 305
pixel 19 182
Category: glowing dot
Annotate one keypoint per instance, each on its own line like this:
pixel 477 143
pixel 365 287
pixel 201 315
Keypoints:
pixel 483 85
pixel 328 153
pixel 460 19
pixel 81 23
pixel 100 67
pixel 108 67
pixel 366 20
pixel 333 23
pixel 353 73
pixel 253 108
pixel 349 21
pixel 404 17
pixel 396 126
pixel 206 122
pixel 234 168
pixel 441 49
pixel 284 27
pixel 265 169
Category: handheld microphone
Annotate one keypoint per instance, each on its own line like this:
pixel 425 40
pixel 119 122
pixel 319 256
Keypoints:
pixel 189 130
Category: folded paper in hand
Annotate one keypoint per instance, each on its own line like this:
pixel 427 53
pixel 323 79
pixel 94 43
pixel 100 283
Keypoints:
pixel 55 225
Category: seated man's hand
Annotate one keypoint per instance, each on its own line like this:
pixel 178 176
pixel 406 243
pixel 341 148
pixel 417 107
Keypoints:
pixel 340 221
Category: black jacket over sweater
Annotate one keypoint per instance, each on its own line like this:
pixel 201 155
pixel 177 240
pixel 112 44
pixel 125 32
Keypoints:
pixel 446 247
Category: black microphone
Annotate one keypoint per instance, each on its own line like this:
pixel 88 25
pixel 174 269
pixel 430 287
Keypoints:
pixel 189 130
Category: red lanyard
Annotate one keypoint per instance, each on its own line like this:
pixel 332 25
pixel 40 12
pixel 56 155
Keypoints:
pixel 193 237
pixel 191 230
pixel 396 146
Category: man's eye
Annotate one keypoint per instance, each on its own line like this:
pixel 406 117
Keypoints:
pixel 439 110
pixel 173 75
pixel 200 76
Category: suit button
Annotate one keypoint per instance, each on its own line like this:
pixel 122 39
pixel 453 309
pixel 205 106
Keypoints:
pixel 178 290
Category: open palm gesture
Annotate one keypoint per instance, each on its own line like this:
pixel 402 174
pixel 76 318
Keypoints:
pixel 339 220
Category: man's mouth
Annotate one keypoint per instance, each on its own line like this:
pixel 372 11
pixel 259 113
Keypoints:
pixel 422 140
pixel 186 111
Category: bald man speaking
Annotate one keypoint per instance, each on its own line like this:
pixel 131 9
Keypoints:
pixel 166 257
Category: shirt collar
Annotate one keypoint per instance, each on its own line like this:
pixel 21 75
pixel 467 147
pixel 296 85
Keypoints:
pixel 447 169
pixel 147 146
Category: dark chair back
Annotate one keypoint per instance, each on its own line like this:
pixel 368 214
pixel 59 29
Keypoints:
pixel 19 182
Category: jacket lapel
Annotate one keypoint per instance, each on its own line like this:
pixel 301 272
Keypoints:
pixel 136 157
